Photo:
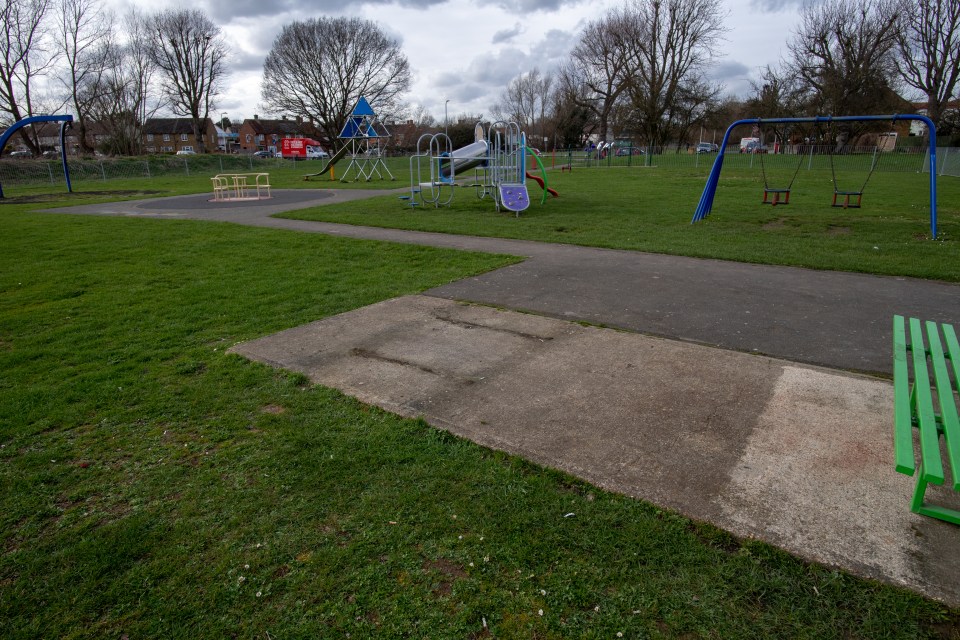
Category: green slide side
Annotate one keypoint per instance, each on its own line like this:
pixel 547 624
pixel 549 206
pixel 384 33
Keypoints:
pixel 332 161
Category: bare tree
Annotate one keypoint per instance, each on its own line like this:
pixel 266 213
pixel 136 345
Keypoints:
pixel 573 121
pixel 843 53
pixel 594 77
pixel 778 94
pixel 143 99
pixel 667 47
pixel 319 68
pixel 694 100
pixel 83 31
pixel 125 95
pixel 525 101
pixel 25 55
pixel 929 48
pixel 190 54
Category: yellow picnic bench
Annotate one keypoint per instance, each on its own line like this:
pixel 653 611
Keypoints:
pixel 240 186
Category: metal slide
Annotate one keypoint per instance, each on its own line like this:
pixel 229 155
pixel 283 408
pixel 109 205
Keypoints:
pixel 465 158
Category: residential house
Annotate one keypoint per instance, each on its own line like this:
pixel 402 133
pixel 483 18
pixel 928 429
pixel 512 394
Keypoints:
pixel 169 135
pixel 48 137
pixel 404 136
pixel 918 128
pixel 259 134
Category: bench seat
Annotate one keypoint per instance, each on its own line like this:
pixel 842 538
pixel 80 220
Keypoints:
pixel 925 400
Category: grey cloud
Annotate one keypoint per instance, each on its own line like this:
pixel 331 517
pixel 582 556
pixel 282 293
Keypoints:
pixel 246 61
pixel 553 50
pixel 728 70
pixel 735 76
pixel 774 6
pixel 521 7
pixel 507 35
pixel 484 78
pixel 226 10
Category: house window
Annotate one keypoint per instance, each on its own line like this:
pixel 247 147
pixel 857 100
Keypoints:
pixel 249 138
pixel 149 137
pixel 166 137
pixel 183 137
pixel 151 149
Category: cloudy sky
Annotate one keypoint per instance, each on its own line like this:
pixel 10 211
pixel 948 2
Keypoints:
pixel 467 51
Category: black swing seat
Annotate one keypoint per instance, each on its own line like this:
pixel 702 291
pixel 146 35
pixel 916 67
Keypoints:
pixel 776 199
pixel 847 202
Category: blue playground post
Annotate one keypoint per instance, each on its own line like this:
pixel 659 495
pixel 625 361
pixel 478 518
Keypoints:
pixel 710 189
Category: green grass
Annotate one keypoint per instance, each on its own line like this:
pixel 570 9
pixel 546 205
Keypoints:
pixel 650 209
pixel 153 486
pixel 169 175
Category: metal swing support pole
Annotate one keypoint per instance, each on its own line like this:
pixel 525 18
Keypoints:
pixel 710 189
pixel 65 121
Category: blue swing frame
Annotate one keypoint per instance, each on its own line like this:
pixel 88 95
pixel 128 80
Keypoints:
pixel 710 190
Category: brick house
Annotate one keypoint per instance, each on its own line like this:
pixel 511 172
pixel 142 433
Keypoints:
pixel 169 135
pixel 259 134
pixel 47 135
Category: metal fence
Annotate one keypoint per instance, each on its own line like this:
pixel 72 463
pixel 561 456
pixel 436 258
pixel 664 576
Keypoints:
pixel 795 158
pixel 798 157
pixel 38 172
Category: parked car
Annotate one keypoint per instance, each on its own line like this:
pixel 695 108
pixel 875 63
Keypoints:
pixel 186 152
pixel 629 151
pixel 707 147
pixel 753 147
pixel 262 154
pixel 20 154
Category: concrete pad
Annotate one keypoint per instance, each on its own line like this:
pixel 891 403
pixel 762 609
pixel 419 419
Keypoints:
pixel 795 455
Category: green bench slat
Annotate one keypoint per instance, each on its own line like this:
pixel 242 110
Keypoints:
pixel 914 407
pixel 948 408
pixel 902 424
pixel 923 408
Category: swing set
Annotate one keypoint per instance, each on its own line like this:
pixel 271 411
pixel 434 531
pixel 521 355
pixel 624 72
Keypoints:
pixel 845 198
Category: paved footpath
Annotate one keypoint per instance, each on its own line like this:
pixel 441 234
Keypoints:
pixel 772 435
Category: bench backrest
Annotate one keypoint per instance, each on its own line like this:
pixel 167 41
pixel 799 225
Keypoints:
pixel 914 399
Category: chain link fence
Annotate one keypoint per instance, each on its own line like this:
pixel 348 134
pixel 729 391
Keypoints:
pixel 798 157
pixel 795 158
pixel 86 170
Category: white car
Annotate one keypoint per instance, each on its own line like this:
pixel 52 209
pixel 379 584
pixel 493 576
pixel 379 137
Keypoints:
pixel 186 152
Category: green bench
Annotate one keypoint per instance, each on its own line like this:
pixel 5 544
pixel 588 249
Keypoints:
pixel 917 399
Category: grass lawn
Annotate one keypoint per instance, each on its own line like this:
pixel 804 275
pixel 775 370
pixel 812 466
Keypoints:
pixel 649 209
pixel 155 487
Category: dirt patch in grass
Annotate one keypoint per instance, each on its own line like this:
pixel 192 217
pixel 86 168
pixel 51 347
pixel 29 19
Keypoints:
pixel 451 572
pixel 59 196
pixel 446 567
pixel 838 231
pixel 273 409
pixel 773 225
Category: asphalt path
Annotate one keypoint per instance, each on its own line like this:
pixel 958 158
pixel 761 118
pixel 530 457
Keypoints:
pixel 833 319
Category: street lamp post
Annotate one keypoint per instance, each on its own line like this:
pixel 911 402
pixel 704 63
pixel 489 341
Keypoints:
pixel 446 125
pixel 223 129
